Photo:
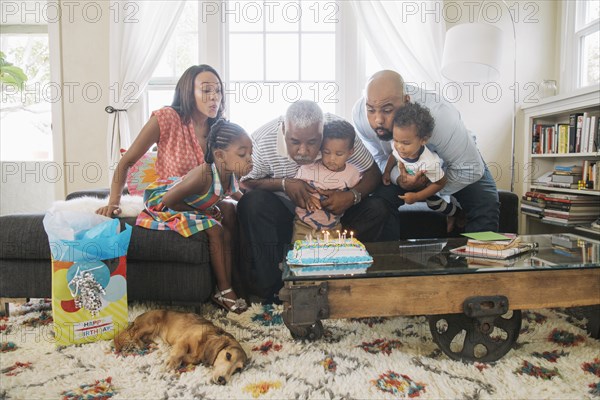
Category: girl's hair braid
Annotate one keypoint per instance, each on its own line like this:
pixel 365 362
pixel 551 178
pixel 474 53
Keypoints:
pixel 222 133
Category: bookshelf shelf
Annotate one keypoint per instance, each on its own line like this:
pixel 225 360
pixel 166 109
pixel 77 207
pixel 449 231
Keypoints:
pixel 567 155
pixel 563 190
pixel 552 113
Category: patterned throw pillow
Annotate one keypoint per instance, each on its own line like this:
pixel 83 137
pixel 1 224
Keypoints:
pixel 141 174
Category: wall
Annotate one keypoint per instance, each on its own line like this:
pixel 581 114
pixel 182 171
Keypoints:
pixel 84 45
pixel 27 187
pixel 488 112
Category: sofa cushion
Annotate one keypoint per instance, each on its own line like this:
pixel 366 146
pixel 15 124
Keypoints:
pixel 23 237
pixel 141 174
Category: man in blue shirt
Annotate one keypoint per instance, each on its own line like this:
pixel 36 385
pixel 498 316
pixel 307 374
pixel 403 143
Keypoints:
pixel 469 180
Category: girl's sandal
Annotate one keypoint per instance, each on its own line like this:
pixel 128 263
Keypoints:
pixel 238 306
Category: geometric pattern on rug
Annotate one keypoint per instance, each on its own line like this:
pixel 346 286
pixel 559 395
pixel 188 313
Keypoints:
pixel 99 390
pixel 399 385
pixel 385 358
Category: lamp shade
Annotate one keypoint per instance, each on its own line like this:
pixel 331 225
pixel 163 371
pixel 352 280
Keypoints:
pixel 472 53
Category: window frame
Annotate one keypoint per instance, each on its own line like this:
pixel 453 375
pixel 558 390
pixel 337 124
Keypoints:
pixel 350 65
pixel 574 31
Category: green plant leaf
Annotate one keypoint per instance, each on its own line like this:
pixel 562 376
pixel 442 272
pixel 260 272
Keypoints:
pixel 9 74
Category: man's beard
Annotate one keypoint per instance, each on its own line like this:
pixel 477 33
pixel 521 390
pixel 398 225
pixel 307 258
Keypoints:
pixel 386 136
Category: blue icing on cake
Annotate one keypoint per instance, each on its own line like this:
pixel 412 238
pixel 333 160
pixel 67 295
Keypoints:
pixel 345 256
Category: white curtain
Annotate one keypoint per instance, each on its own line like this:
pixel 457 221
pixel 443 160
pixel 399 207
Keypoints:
pixel 406 36
pixel 138 36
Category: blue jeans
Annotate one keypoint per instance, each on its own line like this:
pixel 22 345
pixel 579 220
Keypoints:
pixel 479 201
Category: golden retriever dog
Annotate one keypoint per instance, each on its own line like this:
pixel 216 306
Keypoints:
pixel 193 339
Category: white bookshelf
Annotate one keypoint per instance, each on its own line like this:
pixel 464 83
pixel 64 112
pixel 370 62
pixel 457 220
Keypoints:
pixel 554 110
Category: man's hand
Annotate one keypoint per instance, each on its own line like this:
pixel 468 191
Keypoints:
pixel 300 193
pixel 336 201
pixel 413 183
pixel 409 198
pixel 386 179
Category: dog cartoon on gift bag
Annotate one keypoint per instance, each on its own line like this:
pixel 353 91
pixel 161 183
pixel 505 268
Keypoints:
pixel 193 340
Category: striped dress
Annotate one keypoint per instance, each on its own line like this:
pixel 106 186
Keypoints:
pixel 157 216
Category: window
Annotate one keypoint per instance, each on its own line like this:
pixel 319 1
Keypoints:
pixel 278 53
pixel 580 47
pixel 179 55
pixel 587 35
pixel 268 54
pixel 25 116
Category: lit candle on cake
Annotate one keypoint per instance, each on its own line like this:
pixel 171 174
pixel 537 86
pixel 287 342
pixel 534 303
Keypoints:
pixel 339 237
pixel 351 235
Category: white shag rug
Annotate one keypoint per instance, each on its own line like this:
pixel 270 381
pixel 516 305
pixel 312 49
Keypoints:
pixel 376 358
pixel 131 206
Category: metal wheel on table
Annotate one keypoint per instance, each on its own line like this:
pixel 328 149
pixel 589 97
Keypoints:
pixel 307 332
pixel 465 338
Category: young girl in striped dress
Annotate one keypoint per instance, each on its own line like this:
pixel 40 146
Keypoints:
pixel 189 204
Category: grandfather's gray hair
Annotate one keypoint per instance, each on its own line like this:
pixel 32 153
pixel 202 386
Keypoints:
pixel 304 113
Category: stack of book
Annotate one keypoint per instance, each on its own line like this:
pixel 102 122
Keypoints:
pixel 495 249
pixel 566 176
pixel 533 203
pixel 568 209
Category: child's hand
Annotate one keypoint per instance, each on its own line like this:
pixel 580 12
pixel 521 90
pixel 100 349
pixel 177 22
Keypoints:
pixel 313 204
pixel 411 182
pixel 386 178
pixel 215 212
pixel 409 198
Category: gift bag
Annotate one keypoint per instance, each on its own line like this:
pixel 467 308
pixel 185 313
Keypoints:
pixel 89 276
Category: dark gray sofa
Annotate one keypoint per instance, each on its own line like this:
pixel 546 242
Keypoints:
pixel 162 265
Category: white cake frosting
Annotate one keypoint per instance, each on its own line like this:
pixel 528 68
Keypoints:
pixel 337 256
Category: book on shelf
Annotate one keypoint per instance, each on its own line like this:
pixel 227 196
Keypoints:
pixel 565 178
pixel 562 185
pixel 569 169
pixel 590 177
pixel 593 139
pixel 563 138
pixel 579 133
pixel 574 208
pixel 571 198
pixel 569 216
pixel 573 131
pixel 533 211
pixel 532 204
pixel 538 197
pixel 564 221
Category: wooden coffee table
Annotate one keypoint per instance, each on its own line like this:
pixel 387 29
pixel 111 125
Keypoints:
pixel 473 310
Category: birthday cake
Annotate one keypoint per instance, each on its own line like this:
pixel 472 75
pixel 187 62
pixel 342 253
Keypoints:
pixel 332 257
